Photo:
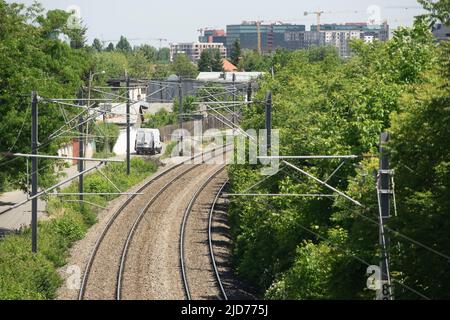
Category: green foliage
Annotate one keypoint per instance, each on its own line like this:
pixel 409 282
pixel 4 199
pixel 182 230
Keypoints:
pixel 24 275
pixel 310 277
pixel 32 58
pixel 139 65
pixel 106 136
pixel 114 63
pixel 253 61
pixel 183 67
pixel 236 52
pixel 123 45
pixel 210 61
pixel 439 10
pixel 160 119
pixel 110 47
pixel 169 149
pixel 420 157
pixel 97 45
pixel 306 248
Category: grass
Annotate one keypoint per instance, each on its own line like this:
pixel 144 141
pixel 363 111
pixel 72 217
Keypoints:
pixel 169 149
pixel 28 276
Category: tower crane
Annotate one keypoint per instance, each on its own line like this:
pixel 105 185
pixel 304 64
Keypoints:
pixel 161 40
pixel 318 14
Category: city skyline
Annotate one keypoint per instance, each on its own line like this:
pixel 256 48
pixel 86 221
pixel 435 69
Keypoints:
pixel 145 22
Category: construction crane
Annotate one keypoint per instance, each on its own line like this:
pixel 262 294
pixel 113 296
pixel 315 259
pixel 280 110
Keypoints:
pixel 318 14
pixel 161 40
pixel 258 31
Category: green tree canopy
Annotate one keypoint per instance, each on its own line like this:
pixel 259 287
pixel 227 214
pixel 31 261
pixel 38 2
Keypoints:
pixel 183 67
pixel 236 52
pixel 97 45
pixel 210 60
pixel 110 47
pixel 124 45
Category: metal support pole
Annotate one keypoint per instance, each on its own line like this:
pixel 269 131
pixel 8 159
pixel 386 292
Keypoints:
pixel 384 204
pixel 81 162
pixel 249 92
pixel 128 128
pixel 234 101
pixel 181 118
pixel 269 121
pixel 34 170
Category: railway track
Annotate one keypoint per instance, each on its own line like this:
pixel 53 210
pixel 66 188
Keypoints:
pixel 201 278
pixel 107 266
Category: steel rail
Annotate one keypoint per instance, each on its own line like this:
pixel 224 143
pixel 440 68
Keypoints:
pixel 210 240
pixel 111 221
pixel 183 230
pixel 135 226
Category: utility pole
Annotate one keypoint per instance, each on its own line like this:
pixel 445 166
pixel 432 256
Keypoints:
pixel 269 121
pixel 34 170
pixel 384 193
pixel 128 126
pixel 81 162
pixel 234 102
pixel 181 118
pixel 249 92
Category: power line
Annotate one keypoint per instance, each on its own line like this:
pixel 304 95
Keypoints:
pixel 352 255
pixel 21 128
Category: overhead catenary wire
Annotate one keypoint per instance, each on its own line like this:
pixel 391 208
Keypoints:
pixel 354 256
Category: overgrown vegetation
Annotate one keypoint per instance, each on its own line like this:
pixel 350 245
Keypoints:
pixel 312 248
pixel 106 135
pixel 24 275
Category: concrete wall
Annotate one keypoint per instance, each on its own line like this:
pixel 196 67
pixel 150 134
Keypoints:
pixel 207 124
pixel 73 150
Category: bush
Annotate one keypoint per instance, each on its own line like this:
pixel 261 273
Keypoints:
pixel 24 275
pixel 107 135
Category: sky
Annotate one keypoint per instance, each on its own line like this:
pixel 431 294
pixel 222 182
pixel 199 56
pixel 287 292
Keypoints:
pixel 143 21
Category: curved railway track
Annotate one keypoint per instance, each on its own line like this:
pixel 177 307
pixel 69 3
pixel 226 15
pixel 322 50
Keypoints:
pixel 104 274
pixel 202 272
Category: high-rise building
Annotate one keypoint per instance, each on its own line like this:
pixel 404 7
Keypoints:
pixel 441 32
pixel 213 36
pixel 273 36
pixel 339 35
pixel 194 49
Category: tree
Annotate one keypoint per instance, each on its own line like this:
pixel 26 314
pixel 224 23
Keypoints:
pixel 164 54
pixel 110 47
pixel 183 67
pixel 253 61
pixel 113 63
pixel 149 52
pixel 97 45
pixel 77 36
pixel 236 52
pixel 139 65
pixel 204 65
pixel 439 11
pixel 123 45
pixel 161 71
pixel 304 248
pixel 210 60
pixel 33 58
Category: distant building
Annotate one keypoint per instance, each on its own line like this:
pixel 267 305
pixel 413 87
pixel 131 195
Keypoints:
pixel 380 32
pixel 194 49
pixel 273 36
pixel 213 36
pixel 228 66
pixel 441 32
pixel 240 77
pixel 339 35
